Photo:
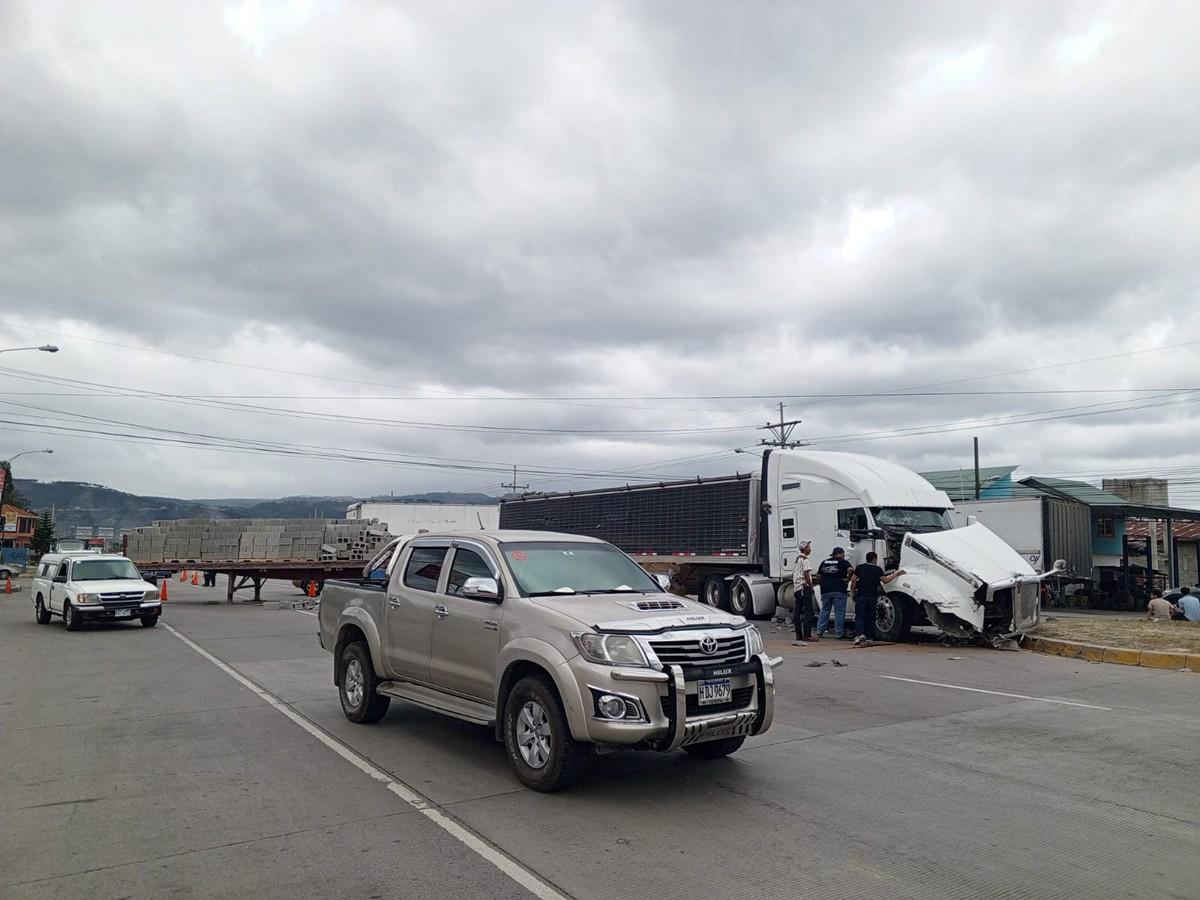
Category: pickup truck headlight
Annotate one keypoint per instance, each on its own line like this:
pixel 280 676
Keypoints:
pixel 610 649
pixel 85 599
pixel 150 596
pixel 754 638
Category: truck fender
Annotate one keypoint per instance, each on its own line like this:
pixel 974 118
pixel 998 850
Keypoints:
pixel 762 593
pixel 360 619
pixel 546 656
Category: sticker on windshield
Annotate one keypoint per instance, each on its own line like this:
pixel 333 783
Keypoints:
pixel 519 555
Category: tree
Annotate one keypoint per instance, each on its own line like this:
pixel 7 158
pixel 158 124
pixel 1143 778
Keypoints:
pixel 43 535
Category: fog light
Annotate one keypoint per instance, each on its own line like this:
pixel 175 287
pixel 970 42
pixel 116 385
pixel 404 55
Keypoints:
pixel 611 707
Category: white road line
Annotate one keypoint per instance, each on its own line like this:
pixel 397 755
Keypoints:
pixel 305 611
pixel 959 687
pixel 492 854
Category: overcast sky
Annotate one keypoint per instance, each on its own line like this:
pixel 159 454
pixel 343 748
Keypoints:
pixel 331 215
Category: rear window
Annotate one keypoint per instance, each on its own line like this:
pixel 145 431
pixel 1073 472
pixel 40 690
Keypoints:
pixel 424 568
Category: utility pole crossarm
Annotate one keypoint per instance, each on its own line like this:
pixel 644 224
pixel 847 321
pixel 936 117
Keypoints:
pixel 781 433
pixel 514 487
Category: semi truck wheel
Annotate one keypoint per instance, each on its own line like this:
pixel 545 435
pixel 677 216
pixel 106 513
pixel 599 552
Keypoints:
pixel 893 617
pixel 357 686
pixel 715 592
pixel 741 600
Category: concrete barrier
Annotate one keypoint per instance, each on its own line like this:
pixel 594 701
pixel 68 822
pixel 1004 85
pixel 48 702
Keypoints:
pixel 1124 656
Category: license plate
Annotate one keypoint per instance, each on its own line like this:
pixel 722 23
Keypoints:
pixel 122 613
pixel 718 690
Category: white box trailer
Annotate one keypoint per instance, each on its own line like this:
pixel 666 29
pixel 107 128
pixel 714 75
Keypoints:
pixel 403 517
pixel 734 541
pixel 1041 529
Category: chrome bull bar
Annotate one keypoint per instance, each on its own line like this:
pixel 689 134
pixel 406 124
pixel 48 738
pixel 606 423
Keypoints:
pixel 742 723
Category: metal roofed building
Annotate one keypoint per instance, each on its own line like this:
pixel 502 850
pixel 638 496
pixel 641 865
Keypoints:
pixel 995 482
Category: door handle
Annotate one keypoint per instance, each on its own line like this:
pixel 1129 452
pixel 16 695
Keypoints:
pixel 395 602
pixel 440 611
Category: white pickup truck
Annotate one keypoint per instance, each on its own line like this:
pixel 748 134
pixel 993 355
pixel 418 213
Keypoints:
pixel 560 643
pixel 89 587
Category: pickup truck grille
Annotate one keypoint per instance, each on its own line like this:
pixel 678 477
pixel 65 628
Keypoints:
pixel 688 652
pixel 741 699
pixel 123 597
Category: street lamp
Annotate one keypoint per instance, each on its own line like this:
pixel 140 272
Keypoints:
pixel 23 452
pixel 45 348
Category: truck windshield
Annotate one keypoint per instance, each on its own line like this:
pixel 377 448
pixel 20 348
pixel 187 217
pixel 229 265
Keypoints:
pixel 912 519
pixel 105 570
pixel 569 567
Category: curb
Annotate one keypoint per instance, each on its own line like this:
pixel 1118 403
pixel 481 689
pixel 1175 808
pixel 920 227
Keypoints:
pixel 1123 656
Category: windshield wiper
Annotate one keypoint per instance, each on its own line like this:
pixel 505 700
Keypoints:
pixel 557 592
pixel 623 589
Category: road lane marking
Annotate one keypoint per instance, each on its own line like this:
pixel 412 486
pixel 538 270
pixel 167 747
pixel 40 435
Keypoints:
pixel 959 687
pixel 305 611
pixel 526 878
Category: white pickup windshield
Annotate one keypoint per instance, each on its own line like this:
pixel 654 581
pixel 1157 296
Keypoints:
pixel 105 570
pixel 570 567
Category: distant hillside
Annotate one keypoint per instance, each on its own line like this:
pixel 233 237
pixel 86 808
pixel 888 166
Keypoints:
pixel 80 505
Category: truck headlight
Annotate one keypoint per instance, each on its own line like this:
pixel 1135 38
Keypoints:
pixel 610 649
pixel 150 596
pixel 754 638
pixel 86 599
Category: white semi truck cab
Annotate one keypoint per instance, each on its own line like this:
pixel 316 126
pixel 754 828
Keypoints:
pixel 734 540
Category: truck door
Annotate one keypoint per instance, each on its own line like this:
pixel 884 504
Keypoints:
pixel 411 597
pixel 853 533
pixel 58 587
pixel 466 630
pixel 789 542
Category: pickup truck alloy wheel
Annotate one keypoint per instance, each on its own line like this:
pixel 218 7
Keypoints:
pixel 357 686
pixel 40 611
pixel 538 739
pixel 533 735
pixel 70 617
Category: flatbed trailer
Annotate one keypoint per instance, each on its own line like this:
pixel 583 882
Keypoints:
pixel 242 573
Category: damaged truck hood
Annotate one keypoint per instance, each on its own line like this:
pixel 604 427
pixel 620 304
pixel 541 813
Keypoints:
pixel 956 573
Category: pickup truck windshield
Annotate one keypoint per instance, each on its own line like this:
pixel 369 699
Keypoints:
pixel 105 570
pixel 568 567
pixel 912 519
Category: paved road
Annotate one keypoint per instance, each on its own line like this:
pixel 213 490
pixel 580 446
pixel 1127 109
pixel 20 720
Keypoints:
pixel 135 766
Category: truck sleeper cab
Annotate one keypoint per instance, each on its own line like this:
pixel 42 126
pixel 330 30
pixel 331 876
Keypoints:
pixel 560 643
pixel 89 587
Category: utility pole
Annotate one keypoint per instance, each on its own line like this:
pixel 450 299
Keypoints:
pixel 977 488
pixel 781 433
pixel 514 487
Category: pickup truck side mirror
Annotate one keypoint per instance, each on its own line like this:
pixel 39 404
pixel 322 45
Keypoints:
pixel 481 589
pixel 60 579
pixel 664 581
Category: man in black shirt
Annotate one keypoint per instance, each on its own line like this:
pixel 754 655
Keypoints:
pixel 866 583
pixel 833 573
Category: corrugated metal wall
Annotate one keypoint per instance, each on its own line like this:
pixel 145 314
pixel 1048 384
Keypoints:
pixel 1068 535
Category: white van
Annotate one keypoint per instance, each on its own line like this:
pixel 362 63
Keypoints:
pixel 90 587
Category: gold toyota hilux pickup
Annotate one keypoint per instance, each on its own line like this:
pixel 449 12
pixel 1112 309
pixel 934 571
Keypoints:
pixel 561 643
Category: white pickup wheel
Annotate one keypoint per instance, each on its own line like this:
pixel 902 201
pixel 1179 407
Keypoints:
pixel 40 612
pixel 538 739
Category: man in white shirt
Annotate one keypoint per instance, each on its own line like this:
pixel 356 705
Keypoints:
pixel 802 589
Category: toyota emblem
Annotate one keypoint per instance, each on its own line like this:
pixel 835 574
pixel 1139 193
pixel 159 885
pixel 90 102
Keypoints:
pixel 708 645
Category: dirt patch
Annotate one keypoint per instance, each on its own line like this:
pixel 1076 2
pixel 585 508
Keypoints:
pixel 1122 631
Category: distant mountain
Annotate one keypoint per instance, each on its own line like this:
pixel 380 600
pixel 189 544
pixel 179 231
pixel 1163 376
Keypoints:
pixel 77 504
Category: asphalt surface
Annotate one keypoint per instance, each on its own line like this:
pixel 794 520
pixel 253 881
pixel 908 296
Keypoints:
pixel 132 765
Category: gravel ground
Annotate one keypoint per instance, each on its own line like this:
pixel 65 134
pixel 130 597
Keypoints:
pixel 1122 631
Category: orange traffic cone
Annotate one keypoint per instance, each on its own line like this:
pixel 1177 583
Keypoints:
pixel 162 590
pixel 8 584
pixel 183 574
pixel 312 589
pixel 196 579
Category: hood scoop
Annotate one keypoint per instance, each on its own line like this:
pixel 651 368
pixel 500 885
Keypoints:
pixel 654 605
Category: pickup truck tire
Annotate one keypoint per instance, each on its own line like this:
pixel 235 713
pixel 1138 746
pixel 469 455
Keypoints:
pixel 538 739
pixel 150 621
pixel 715 592
pixel 70 617
pixel 714 749
pixel 40 612
pixel 357 686
pixel 893 617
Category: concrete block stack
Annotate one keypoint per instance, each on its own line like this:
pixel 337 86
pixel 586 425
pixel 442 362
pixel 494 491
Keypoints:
pixel 247 540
